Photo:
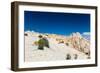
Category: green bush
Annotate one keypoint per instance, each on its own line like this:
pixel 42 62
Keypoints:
pixel 41 44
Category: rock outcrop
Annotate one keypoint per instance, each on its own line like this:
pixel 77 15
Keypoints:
pixel 67 46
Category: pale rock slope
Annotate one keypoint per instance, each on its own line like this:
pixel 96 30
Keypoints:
pixel 58 49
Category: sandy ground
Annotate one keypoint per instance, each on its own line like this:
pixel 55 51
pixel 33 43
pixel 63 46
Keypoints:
pixel 55 52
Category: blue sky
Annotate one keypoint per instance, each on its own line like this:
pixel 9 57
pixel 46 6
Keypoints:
pixel 57 23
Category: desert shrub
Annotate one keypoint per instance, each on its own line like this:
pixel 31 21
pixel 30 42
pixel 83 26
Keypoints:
pixel 67 44
pixel 41 44
pixel 88 57
pixel 61 41
pixel 43 41
pixel 40 36
pixel 26 34
pixel 87 53
pixel 75 56
pixel 68 57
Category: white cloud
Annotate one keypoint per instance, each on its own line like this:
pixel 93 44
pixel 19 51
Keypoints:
pixel 86 33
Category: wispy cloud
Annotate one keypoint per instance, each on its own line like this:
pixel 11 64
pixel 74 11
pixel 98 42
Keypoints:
pixel 86 33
